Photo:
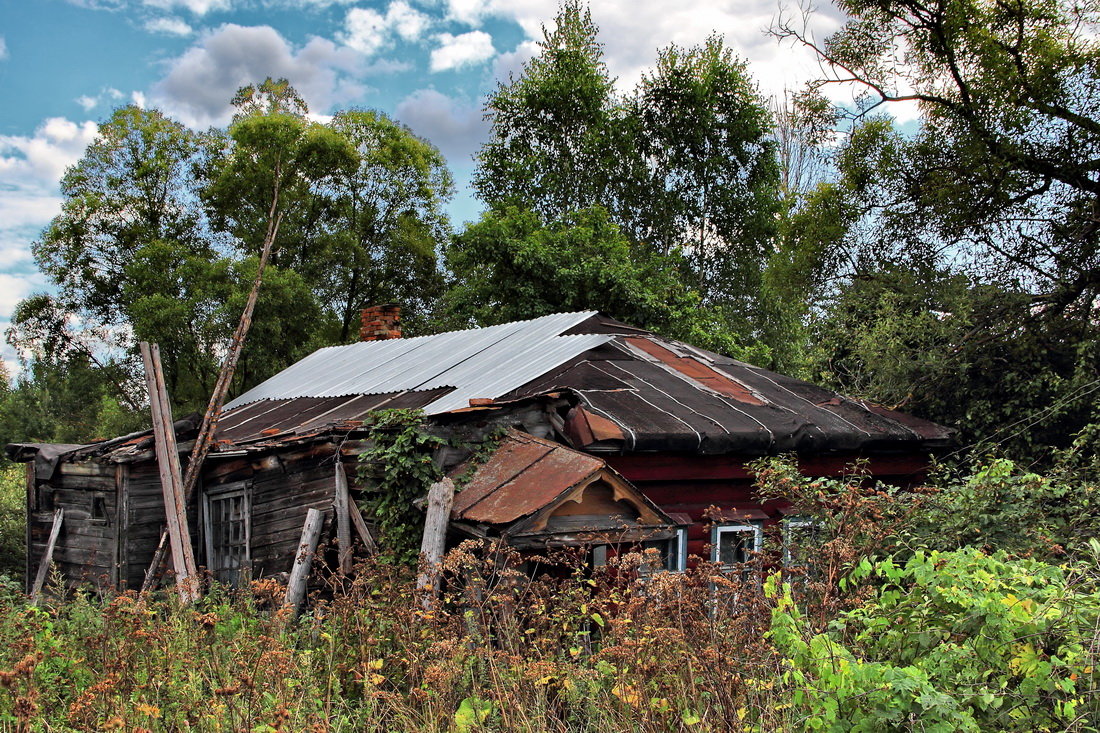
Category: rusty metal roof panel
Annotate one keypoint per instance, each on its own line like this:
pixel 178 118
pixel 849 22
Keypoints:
pixel 509 460
pixel 524 475
pixel 477 363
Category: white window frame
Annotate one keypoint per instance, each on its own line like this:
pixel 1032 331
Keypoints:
pixel 790 523
pixel 757 529
pixel 678 561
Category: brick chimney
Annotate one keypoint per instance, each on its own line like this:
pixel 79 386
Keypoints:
pixel 381 322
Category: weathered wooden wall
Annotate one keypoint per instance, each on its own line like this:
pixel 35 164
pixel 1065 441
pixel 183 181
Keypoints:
pixel 87 549
pixel 691 484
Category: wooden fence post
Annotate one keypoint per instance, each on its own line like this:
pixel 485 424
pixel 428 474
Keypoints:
pixel 342 505
pixel 171 479
pixel 441 496
pixel 303 560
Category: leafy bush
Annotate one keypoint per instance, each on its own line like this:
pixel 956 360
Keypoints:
pixel 13 520
pixel 950 641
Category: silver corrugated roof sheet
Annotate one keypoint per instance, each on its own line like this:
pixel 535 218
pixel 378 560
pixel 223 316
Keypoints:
pixel 478 363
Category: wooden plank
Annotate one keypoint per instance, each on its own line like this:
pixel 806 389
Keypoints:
pixel 441 496
pixel 32 506
pixel 340 505
pixel 120 567
pixel 303 560
pixel 47 556
pixel 362 529
pixel 183 558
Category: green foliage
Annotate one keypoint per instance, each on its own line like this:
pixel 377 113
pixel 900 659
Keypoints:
pixel 398 469
pixel 980 357
pixel 1001 507
pixel 383 223
pixel 553 147
pixel 950 641
pixel 684 166
pixel 509 266
pixel 13 521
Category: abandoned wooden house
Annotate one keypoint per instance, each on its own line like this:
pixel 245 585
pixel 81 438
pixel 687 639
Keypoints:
pixel 617 436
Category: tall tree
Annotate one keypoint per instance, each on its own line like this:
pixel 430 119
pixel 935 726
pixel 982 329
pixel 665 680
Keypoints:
pixel 709 177
pixel 1006 164
pixel 553 146
pixel 384 222
pixel 975 241
pixel 129 189
pixel 684 165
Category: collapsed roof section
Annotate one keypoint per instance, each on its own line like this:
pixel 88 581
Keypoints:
pixel 537 493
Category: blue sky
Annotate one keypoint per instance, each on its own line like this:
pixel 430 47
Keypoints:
pixel 65 64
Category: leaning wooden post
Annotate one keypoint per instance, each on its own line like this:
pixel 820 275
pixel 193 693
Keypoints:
pixel 47 556
pixel 441 497
pixel 299 573
pixel 171 479
pixel 342 505
pixel 209 426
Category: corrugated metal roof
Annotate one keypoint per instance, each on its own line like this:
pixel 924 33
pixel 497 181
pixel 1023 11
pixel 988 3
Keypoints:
pixel 477 363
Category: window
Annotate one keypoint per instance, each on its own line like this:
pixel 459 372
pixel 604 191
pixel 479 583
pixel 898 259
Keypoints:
pixel 228 534
pixel 99 509
pixel 673 551
pixel 734 544
pixel 801 536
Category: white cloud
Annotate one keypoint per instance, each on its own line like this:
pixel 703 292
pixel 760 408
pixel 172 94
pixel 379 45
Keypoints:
pixel 470 12
pixel 169 26
pixel 200 83
pixel 633 30
pixel 13 288
pixel 107 94
pixel 368 31
pixel 30 168
pixel 455 127
pixel 138 99
pixel 454 52
pixel 510 63
pixel 3 48
pixel 198 7
pixel 36 162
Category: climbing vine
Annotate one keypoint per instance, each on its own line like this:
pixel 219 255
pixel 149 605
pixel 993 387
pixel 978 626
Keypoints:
pixel 397 470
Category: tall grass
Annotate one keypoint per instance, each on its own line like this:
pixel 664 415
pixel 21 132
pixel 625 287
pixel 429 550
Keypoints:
pixel 565 652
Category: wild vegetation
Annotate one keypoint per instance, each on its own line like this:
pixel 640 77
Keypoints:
pixel 952 639
pixel 948 267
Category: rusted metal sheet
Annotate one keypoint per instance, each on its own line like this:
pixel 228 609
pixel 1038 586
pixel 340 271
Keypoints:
pixel 534 487
pixel 511 458
pixel 525 474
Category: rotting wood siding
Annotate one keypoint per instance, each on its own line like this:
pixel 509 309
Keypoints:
pixel 87 549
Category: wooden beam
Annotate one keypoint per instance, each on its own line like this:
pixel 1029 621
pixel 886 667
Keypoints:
pixel 31 506
pixel 303 560
pixel 441 496
pixel 362 529
pixel 171 481
pixel 47 556
pixel 341 504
